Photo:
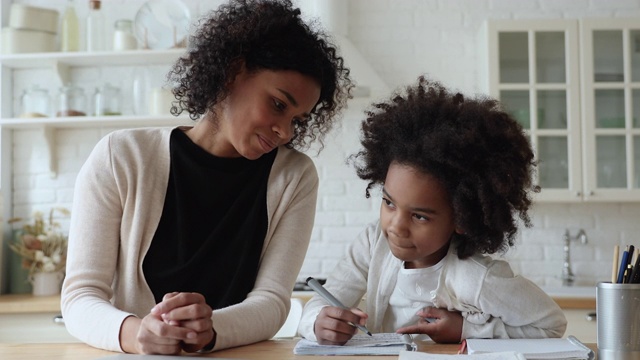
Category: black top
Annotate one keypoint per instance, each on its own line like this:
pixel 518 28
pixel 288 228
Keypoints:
pixel 213 225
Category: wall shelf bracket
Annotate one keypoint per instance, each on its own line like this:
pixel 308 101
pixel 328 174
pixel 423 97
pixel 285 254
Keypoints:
pixel 49 134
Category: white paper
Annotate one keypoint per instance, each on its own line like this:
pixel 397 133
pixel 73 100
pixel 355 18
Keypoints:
pixel 360 344
pixel 412 355
pixel 569 348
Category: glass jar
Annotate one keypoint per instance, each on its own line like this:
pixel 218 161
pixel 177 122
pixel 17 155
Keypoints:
pixel 71 101
pixel 35 102
pixel 123 38
pixel 106 101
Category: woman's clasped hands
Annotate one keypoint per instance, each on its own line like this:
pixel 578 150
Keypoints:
pixel 181 321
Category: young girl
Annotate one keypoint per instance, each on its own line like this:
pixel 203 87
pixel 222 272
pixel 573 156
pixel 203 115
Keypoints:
pixel 454 173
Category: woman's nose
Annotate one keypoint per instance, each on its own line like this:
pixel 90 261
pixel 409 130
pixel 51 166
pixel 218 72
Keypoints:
pixel 284 130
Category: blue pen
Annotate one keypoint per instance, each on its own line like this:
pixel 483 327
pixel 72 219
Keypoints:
pixel 623 266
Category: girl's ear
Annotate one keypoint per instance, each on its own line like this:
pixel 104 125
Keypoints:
pixel 459 231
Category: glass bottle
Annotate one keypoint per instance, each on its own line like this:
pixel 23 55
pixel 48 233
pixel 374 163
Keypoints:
pixel 95 27
pixel 35 103
pixel 70 33
pixel 123 38
pixel 71 101
pixel 106 101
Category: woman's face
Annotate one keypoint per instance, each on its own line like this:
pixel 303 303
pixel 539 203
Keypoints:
pixel 258 113
pixel 416 216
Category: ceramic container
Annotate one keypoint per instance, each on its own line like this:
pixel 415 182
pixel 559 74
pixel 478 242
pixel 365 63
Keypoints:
pixel 17 41
pixel 33 18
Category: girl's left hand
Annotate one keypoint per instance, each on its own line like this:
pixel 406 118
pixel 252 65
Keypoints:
pixel 188 310
pixel 447 327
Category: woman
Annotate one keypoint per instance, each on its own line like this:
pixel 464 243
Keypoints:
pixel 191 238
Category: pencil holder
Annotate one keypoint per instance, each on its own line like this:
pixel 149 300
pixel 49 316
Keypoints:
pixel 618 317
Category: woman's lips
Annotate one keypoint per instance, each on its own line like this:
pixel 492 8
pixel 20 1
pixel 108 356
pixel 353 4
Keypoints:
pixel 266 144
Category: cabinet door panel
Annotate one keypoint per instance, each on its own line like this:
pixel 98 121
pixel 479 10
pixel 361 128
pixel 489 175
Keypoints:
pixel 635 108
pixel 634 45
pixel 553 168
pixel 517 104
pixel 607 56
pixel 514 58
pixel 533 70
pixel 552 109
pixel 611 162
pixel 550 57
pixel 611 108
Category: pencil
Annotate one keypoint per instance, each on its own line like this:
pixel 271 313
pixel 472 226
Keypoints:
pixel 614 269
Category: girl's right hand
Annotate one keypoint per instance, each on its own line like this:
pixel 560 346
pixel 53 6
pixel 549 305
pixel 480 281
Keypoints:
pixel 333 324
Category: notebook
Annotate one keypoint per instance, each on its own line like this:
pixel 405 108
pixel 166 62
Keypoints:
pixel 569 348
pixel 360 344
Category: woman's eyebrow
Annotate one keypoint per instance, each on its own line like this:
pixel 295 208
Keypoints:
pixel 291 99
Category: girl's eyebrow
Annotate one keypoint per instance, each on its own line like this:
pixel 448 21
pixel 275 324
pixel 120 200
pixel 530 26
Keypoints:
pixel 422 210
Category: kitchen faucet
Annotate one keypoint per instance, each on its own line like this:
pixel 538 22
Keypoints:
pixel 567 274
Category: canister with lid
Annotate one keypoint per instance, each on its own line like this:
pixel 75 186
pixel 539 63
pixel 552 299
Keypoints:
pixel 35 102
pixel 71 101
pixel 106 101
pixel 123 38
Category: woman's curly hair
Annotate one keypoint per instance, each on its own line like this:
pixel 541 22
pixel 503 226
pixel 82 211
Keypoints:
pixel 472 146
pixel 265 35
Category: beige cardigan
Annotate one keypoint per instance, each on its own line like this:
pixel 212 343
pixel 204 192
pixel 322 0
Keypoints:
pixel 118 200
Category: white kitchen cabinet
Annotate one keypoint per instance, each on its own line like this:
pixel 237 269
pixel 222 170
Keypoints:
pixel 574 85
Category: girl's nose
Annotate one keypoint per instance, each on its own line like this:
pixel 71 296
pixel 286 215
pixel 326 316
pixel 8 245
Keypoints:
pixel 399 225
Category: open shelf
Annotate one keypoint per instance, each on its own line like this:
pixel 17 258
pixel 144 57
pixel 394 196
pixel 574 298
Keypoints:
pixel 101 58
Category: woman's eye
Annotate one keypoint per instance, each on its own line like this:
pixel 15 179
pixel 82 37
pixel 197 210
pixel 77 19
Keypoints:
pixel 279 105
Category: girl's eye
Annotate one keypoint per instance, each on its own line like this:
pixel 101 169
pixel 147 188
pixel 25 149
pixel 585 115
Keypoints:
pixel 388 202
pixel 420 217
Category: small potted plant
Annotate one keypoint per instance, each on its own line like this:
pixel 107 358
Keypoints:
pixel 43 248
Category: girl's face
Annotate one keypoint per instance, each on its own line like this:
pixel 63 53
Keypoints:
pixel 257 115
pixel 416 216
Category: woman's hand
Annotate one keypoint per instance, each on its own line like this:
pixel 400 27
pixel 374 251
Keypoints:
pixel 333 324
pixel 188 311
pixel 151 335
pixel 447 327
pixel 182 321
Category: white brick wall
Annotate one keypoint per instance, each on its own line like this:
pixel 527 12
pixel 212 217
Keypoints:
pixel 402 39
